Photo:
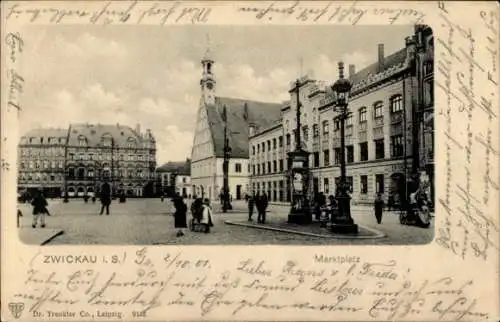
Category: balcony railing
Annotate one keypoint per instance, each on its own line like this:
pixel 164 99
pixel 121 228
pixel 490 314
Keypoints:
pixel 379 121
pixel 396 117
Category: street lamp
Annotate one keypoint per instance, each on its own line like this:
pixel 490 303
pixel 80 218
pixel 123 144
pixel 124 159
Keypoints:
pixel 343 223
pixel 226 204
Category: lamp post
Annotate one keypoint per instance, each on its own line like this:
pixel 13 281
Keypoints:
pixel 226 204
pixel 343 223
pixel 298 163
pixel 66 199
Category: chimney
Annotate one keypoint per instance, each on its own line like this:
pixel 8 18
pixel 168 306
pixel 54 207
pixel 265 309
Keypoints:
pixel 380 57
pixel 138 128
pixel 352 70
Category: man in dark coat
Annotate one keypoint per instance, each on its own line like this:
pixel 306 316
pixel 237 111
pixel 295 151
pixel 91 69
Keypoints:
pixel 250 207
pixel 379 207
pixel 261 208
pixel 105 197
pixel 180 215
pixel 39 204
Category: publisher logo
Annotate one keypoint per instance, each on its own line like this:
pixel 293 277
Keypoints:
pixel 16 309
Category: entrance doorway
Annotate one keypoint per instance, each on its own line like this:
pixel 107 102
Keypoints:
pixel 238 192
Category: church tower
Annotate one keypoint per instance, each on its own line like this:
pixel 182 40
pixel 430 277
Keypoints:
pixel 207 81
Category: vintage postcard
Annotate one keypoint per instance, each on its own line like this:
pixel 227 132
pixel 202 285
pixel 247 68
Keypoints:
pixel 250 161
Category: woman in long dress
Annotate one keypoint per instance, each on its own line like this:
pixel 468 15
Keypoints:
pixel 180 216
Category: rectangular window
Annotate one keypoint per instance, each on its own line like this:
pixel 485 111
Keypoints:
pixel 325 127
pixel 363 151
pixel 263 146
pixel 305 131
pixel 258 148
pixel 316 159
pixel 337 156
pixel 362 115
pixel 326 158
pixel 253 169
pixel 397 147
pixel 269 167
pixel 378 110
pixel 315 130
pixel 336 124
pixel 281 165
pixel 275 166
pixel 237 167
pixel 263 168
pixel 428 93
pixel 288 139
pixel 326 186
pixel 396 103
pixel 268 145
pixel 364 184
pixel 348 121
pixel 379 183
pixel 280 141
pixel 379 149
pixel 350 154
pixel 274 144
pixel 253 150
pixel 258 168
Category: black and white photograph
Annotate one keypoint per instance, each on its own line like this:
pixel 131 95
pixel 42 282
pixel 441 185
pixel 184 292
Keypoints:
pixel 226 135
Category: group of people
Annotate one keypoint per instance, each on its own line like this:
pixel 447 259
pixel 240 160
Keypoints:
pixel 201 214
pixel 260 202
pixel 324 212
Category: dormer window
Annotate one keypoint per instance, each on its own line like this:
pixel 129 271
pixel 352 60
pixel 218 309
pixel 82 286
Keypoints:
pixel 107 140
pixel 82 141
pixel 131 143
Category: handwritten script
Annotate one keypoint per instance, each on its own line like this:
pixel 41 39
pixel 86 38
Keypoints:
pixel 243 286
pixel 468 228
pixel 181 12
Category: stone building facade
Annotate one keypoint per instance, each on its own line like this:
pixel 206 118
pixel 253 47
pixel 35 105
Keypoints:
pixel 383 131
pixel 207 155
pixel 88 154
pixel 41 155
pixel 268 161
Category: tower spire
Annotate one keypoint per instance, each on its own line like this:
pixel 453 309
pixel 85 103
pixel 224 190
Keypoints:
pixel 208 52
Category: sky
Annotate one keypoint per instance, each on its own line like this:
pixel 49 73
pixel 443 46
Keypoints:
pixel 150 75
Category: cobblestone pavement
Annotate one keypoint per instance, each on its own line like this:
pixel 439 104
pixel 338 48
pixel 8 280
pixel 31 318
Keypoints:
pixel 149 221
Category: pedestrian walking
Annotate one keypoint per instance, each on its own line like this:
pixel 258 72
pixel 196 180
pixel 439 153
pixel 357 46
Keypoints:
pixel 39 204
pixel 251 204
pixel 19 215
pixel 261 208
pixel 379 207
pixel 180 215
pixel 105 197
pixel 206 218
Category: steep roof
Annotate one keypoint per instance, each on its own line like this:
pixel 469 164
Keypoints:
pixel 179 167
pixel 45 133
pixel 239 117
pixel 394 61
pixel 94 132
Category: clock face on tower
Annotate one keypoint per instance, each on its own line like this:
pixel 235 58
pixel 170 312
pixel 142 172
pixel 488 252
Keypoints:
pixel 210 85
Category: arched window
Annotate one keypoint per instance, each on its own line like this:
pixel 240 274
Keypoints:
pixel 396 103
pixel 378 110
pixel 362 114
